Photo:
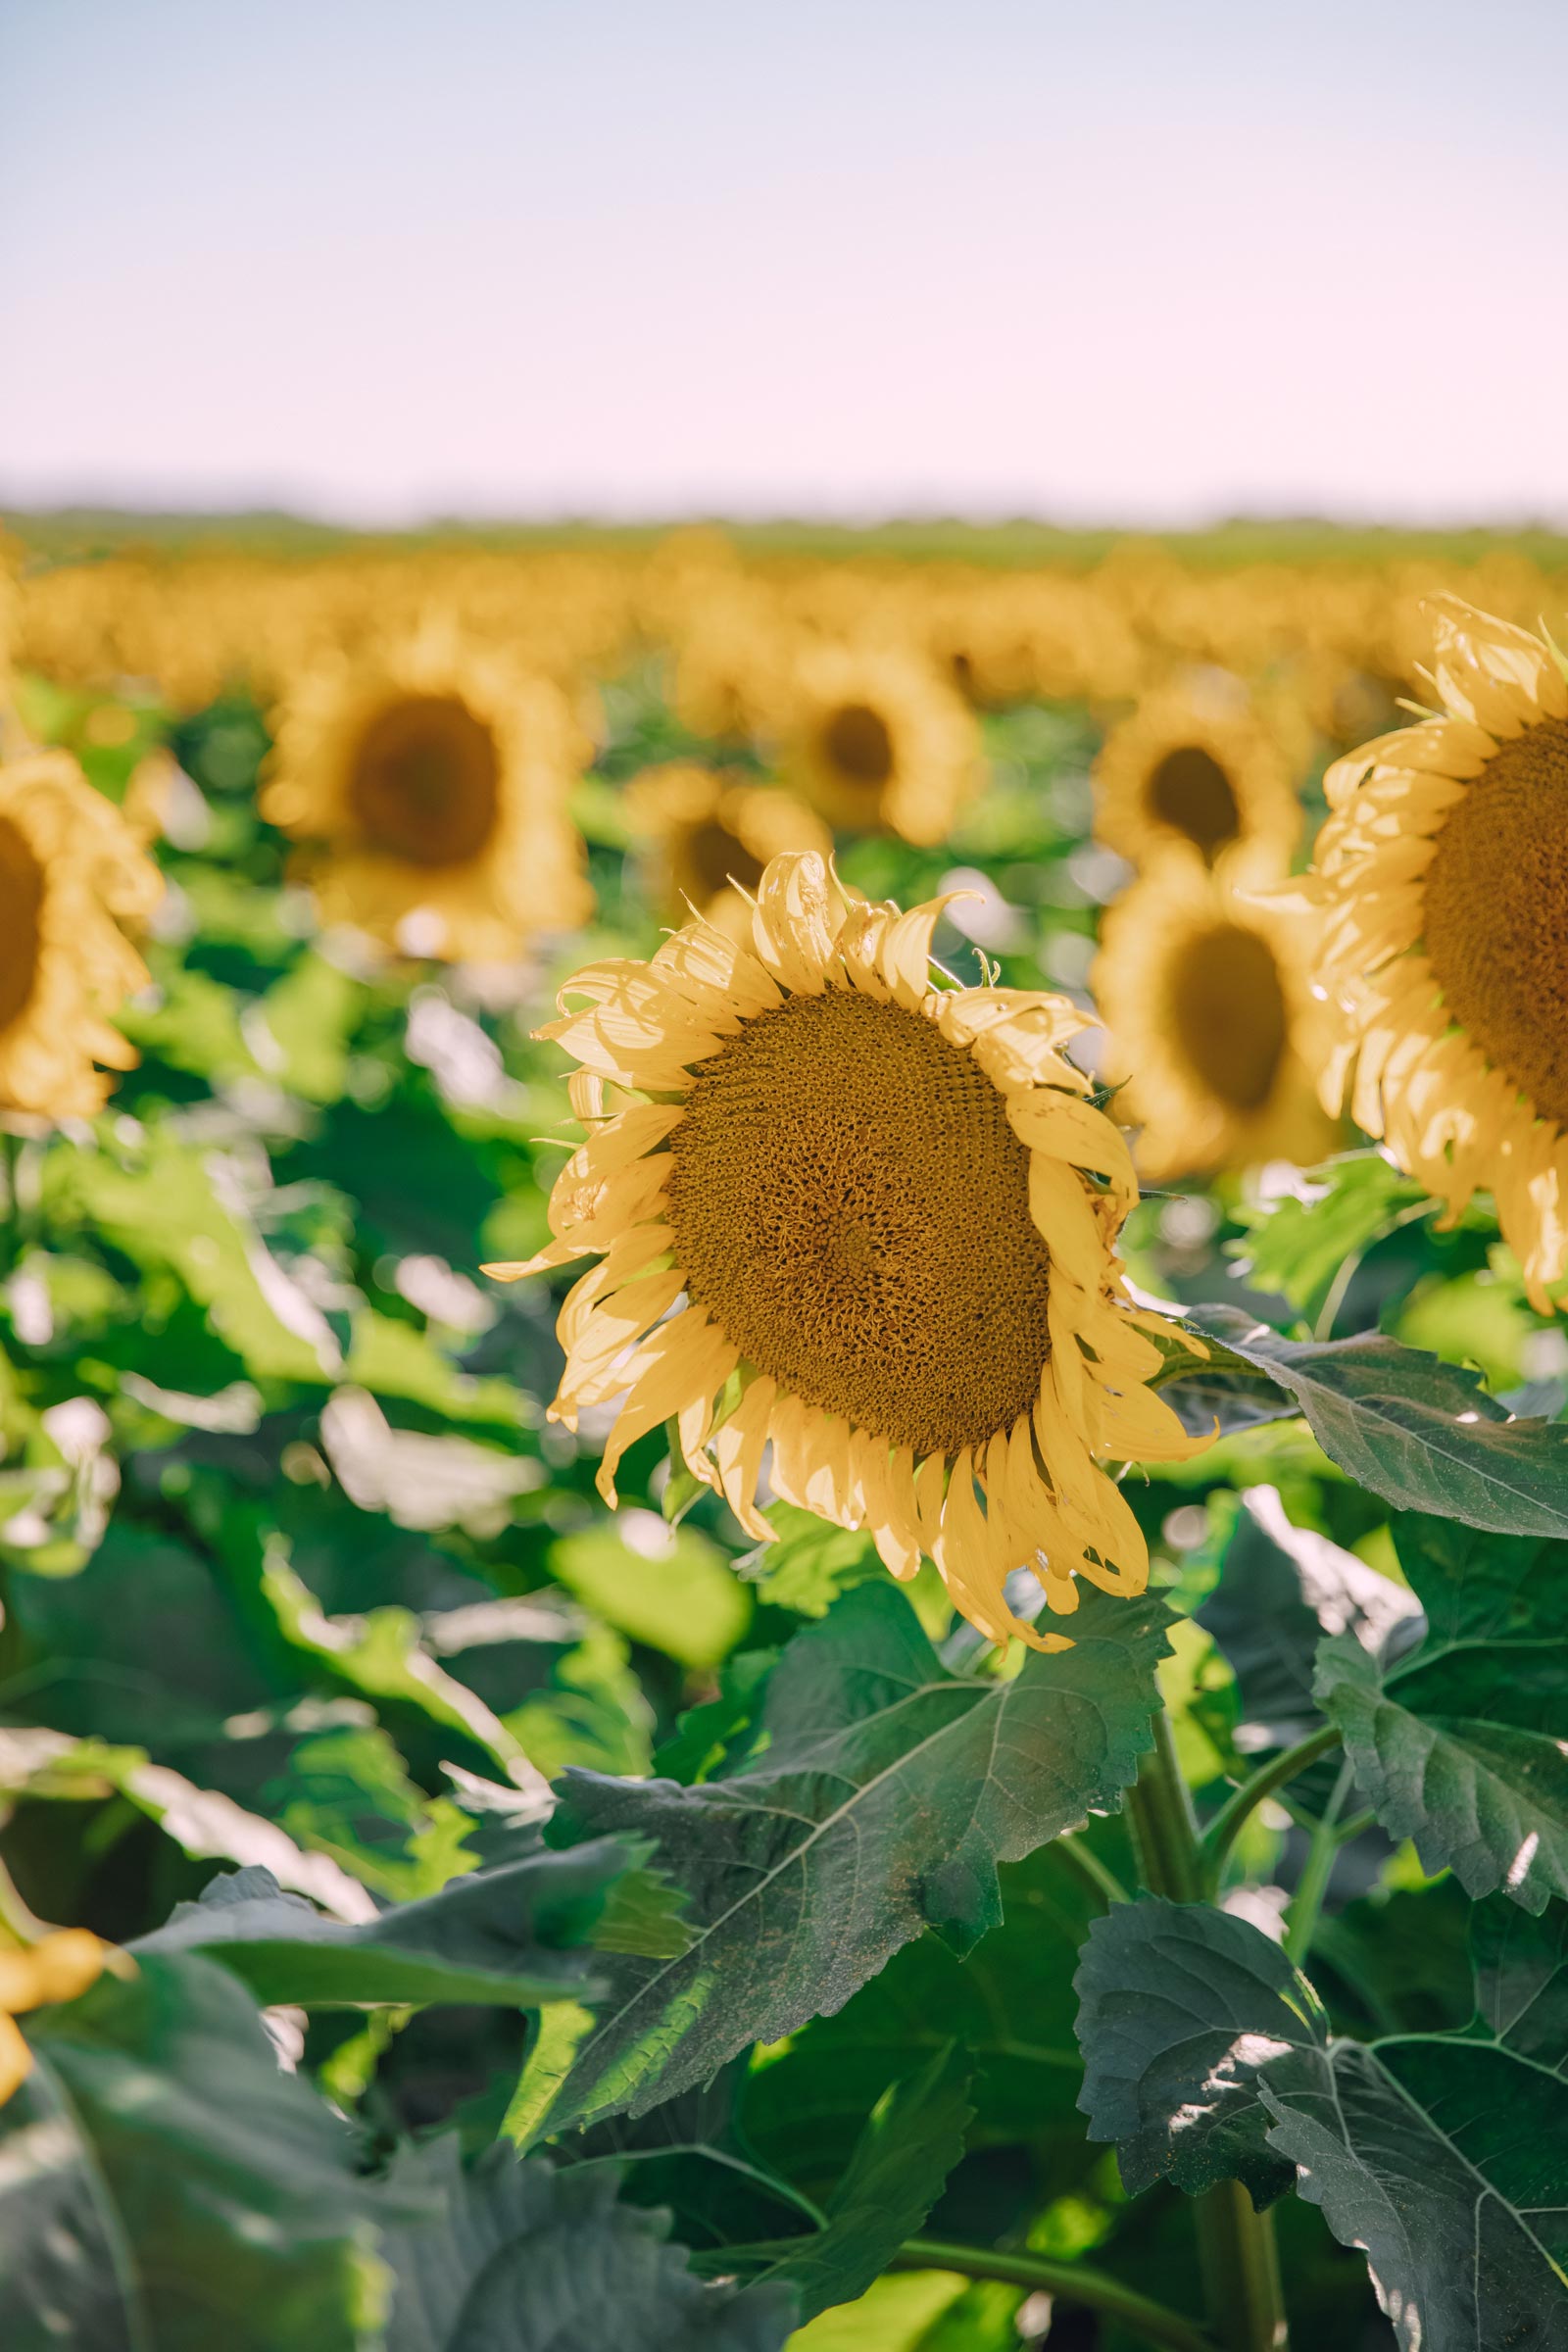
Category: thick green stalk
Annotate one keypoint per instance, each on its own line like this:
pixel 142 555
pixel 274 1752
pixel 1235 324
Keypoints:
pixel 1241 2272
pixel 1074 2281
pixel 1236 2245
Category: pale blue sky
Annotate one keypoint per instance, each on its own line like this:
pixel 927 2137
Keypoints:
pixel 1143 261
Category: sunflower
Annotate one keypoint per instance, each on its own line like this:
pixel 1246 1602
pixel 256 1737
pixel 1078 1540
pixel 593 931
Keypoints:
pixel 708 832
pixel 72 871
pixel 1193 768
pixel 1440 880
pixel 869 1220
pixel 58 1967
pixel 1207 997
pixel 433 776
pixel 875 739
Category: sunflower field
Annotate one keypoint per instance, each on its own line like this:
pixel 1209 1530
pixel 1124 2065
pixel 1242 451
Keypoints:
pixel 782 1448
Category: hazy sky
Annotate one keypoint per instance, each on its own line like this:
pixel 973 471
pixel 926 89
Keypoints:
pixel 535 257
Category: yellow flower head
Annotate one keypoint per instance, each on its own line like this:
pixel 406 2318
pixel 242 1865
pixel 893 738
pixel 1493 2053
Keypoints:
pixel 1207 997
pixel 871 1221
pixel 1194 769
pixel 708 832
pixel 72 871
pixel 1442 881
pixel 57 1968
pixel 432 775
pixel 874 738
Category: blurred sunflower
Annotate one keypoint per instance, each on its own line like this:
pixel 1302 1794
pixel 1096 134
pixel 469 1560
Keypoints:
pixel 708 832
pixel 1208 999
pixel 60 1967
pixel 72 871
pixel 874 738
pixel 886 1212
pixel 433 777
pixel 1193 768
pixel 1442 883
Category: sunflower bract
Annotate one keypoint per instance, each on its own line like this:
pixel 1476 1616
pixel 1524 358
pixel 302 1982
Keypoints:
pixel 869 1222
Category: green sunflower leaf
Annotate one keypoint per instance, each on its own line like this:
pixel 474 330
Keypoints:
pixel 912 2140
pixel 516 1935
pixel 528 2259
pixel 1446 2161
pixel 1422 1434
pixel 1443 2157
pixel 163 2183
pixel 887 1794
pixel 1181 2005
pixel 1458 1745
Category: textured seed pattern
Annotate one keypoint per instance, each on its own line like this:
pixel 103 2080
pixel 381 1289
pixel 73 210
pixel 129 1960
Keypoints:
pixel 1497 913
pixel 852 1206
pixel 21 904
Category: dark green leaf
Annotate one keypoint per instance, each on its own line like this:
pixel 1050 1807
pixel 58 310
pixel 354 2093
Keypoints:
pixel 1009 2004
pixel 1182 2005
pixel 1422 1434
pixel 166 2188
pixel 1446 2161
pixel 528 2259
pixel 513 1935
pixel 912 2141
pixel 692 2155
pixel 1521 1966
pixel 887 1794
pixel 1460 1743
pixel 1280 1588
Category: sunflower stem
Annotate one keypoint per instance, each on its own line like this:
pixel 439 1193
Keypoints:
pixel 1073 2282
pixel 1222 1831
pixel 1235 2245
pixel 1302 1919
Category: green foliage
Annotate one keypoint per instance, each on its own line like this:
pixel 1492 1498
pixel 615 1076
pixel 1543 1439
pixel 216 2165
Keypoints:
pixel 327 1684
pixel 1445 2155
pixel 887 1793
pixel 505 1934
pixel 1458 1745
pixel 163 2183
pixel 1423 1435
pixel 1181 2004
pixel 528 2259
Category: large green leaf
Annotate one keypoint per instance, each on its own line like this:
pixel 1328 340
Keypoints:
pixel 1280 1586
pixel 514 1936
pixel 887 1794
pixel 1460 1743
pixel 1521 1965
pixel 1443 2156
pixel 1422 1434
pixel 528 2259
pixel 1446 2161
pixel 1181 2005
pixel 166 2188
pixel 1009 2004
pixel 912 2140
pixel 694 2156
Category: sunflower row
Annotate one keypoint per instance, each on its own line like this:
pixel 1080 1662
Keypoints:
pixel 851 1217
pixel 1336 641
